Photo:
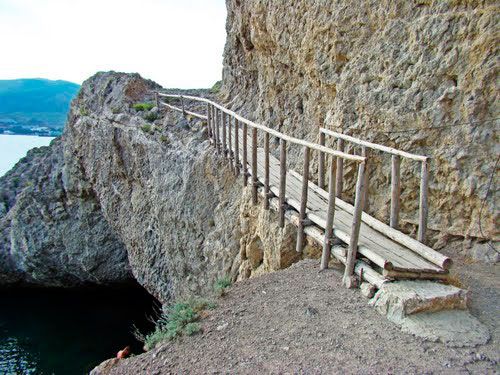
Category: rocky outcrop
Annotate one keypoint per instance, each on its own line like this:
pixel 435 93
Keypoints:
pixel 420 76
pixel 52 232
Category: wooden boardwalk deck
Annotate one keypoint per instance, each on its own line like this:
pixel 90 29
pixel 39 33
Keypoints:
pixel 371 249
pixel 375 246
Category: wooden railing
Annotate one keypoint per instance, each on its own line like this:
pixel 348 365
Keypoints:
pixel 395 176
pixel 220 119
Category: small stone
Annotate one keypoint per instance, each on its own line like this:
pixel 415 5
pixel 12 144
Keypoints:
pixel 286 348
pixel 222 326
pixel 311 311
pixel 367 290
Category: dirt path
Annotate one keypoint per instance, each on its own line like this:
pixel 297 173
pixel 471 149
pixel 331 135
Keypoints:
pixel 301 321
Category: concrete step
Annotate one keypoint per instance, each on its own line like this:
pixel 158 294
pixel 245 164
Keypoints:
pixel 399 299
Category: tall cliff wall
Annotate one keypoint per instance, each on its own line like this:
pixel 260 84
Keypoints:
pixel 385 71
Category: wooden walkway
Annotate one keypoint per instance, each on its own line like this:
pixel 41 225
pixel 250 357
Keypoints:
pixel 369 248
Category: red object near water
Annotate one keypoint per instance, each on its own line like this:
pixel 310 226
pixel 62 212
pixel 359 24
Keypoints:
pixel 124 353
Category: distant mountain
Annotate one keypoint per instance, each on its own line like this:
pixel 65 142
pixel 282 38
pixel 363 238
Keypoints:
pixel 35 106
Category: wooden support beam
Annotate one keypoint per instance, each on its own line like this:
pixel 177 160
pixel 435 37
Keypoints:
pixel 245 154
pixel 157 101
pixel 365 153
pixel 236 147
pixel 395 190
pixel 217 129
pixel 330 214
pixel 209 124
pixel 282 186
pixel 182 105
pixel 340 169
pixel 303 201
pixel 356 225
pixel 224 137
pixel 254 166
pixel 266 171
pixel 422 216
pixel 321 163
pixel 230 154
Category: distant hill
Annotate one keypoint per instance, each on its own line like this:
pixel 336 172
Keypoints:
pixel 35 106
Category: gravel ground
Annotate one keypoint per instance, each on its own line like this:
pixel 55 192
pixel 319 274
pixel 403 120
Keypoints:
pixel 300 320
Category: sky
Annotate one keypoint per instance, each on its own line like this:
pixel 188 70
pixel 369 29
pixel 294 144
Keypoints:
pixel 177 43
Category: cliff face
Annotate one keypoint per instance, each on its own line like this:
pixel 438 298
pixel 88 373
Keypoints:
pixel 384 71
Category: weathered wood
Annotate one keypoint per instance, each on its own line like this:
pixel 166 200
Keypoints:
pixel 394 274
pixel 330 215
pixel 303 201
pixel 254 166
pixel 209 124
pixel 237 147
pixel 282 186
pixel 272 132
pixel 217 129
pixel 395 190
pixel 321 163
pixel 157 101
pixel 230 143
pixel 182 106
pixel 224 137
pixel 266 171
pixel 374 146
pixel 356 224
pixel 422 217
pixel 185 112
pixel 364 153
pixel 340 169
pixel 245 154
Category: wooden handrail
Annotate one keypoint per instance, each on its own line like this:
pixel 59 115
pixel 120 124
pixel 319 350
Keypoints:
pixel 275 133
pixel 374 146
pixel 395 177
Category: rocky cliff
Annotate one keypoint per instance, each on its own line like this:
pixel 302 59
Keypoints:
pixel 127 193
pixel 417 75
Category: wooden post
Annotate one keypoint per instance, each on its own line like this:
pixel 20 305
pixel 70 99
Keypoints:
pixel 340 170
pixel 356 225
pixel 254 166
pixel 230 139
pixel 157 100
pixel 395 190
pixel 209 124
pixel 267 191
pixel 224 144
pixel 303 201
pixel 237 147
pixel 364 153
pixel 330 215
pixel 422 217
pixel 217 129
pixel 245 161
pixel 282 182
pixel 321 162
pixel 182 105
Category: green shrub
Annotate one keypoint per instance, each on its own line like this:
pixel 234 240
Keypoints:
pixel 164 139
pixel 177 320
pixel 221 285
pixel 83 112
pixel 143 106
pixel 150 116
pixel 146 128
pixel 216 87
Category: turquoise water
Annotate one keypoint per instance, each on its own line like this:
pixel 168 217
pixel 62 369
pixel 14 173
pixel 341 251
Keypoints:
pixel 14 147
pixel 69 331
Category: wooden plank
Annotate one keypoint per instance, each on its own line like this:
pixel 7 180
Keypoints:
pixel 245 154
pixel 224 143
pixel 395 190
pixel 237 147
pixel 303 201
pixel 230 143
